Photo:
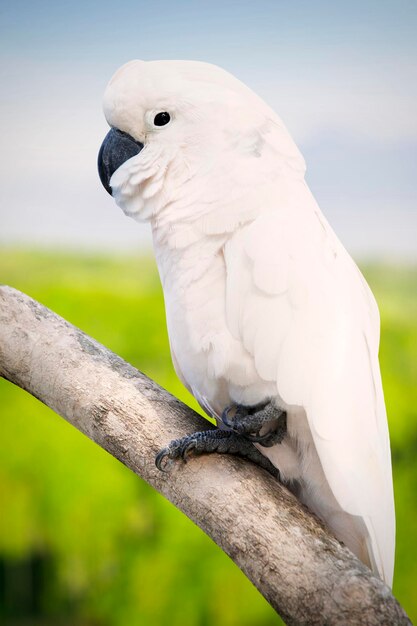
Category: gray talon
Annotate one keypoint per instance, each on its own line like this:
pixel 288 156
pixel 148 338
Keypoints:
pixel 207 441
pixel 248 422
pixel 160 458
pixel 224 419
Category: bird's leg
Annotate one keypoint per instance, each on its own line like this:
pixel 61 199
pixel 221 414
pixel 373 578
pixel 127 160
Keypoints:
pixel 207 441
pixel 249 421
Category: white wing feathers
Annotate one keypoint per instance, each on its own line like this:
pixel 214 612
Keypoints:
pixel 302 309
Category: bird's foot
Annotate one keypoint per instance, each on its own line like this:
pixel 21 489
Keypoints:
pixel 248 421
pixel 207 441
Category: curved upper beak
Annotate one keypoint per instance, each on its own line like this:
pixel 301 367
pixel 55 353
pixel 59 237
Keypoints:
pixel 116 148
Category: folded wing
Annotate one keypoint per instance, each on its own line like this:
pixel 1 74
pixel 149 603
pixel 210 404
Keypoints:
pixel 303 310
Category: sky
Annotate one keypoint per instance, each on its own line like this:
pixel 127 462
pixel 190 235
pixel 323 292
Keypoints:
pixel 341 75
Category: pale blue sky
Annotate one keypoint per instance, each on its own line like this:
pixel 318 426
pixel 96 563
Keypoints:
pixel 342 75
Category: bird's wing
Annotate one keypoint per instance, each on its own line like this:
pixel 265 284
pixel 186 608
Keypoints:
pixel 303 310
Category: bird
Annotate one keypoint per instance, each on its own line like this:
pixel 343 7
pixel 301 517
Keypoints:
pixel 272 326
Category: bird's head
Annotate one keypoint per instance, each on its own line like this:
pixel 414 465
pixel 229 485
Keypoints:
pixel 176 129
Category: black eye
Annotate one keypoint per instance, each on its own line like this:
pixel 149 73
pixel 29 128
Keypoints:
pixel 161 119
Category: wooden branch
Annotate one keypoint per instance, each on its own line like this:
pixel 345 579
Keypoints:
pixel 303 571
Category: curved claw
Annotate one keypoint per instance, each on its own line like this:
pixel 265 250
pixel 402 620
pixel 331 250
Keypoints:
pixel 186 451
pixel 164 458
pixel 224 415
pixel 257 438
pixel 267 440
pixel 254 438
pixel 160 458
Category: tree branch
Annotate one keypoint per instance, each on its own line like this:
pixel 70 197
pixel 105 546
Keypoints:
pixel 303 571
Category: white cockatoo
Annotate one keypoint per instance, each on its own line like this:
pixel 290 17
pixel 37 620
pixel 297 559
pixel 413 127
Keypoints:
pixel 272 327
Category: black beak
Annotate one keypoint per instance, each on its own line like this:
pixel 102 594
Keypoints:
pixel 116 148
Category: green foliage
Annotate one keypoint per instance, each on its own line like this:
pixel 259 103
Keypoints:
pixel 120 554
pixel 395 289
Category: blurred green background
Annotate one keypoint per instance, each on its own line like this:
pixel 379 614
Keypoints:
pixel 83 541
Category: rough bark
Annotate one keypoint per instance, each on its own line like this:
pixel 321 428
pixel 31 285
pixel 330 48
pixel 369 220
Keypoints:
pixel 300 568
